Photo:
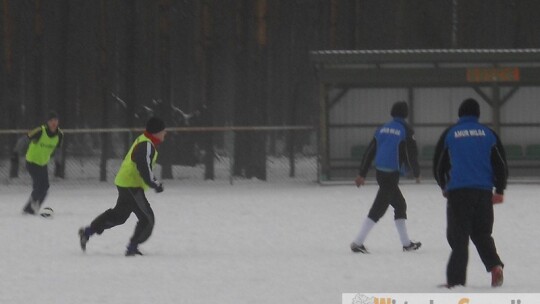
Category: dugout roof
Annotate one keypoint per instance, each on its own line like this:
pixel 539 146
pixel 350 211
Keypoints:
pixel 427 68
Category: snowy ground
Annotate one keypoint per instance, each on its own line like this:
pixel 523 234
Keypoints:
pixel 249 243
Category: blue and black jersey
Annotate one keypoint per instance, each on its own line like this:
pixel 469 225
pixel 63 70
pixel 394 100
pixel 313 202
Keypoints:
pixel 470 155
pixel 393 146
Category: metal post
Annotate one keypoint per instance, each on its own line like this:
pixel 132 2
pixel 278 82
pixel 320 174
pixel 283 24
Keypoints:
pixel 324 173
pixel 410 101
pixel 496 106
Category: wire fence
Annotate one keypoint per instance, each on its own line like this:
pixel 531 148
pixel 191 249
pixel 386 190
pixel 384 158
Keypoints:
pixel 188 155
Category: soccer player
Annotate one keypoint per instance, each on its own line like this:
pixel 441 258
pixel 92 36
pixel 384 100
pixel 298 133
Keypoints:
pixel 44 141
pixel 393 147
pixel 133 178
pixel 469 163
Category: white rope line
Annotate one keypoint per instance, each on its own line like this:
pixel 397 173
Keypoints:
pixel 175 129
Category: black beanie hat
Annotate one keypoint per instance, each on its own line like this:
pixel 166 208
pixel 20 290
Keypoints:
pixel 400 109
pixel 155 125
pixel 51 115
pixel 469 107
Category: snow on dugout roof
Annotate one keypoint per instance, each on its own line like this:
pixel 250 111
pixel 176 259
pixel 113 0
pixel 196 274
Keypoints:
pixel 425 55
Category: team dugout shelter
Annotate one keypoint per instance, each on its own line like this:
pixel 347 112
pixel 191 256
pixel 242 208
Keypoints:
pixel 358 87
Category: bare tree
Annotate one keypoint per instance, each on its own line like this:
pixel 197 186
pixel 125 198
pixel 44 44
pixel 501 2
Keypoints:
pixel 105 90
pixel 206 52
pixel 62 77
pixel 8 77
pixel 164 70
pixel 250 108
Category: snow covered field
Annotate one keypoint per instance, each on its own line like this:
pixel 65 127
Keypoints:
pixel 253 242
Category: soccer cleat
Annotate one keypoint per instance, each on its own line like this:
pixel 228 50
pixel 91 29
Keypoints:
pixel 358 248
pixel 28 210
pixel 35 205
pixel 31 207
pixel 412 246
pixel 133 251
pixel 449 286
pixel 497 276
pixel 83 238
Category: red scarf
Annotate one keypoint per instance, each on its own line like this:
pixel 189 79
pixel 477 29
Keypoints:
pixel 154 139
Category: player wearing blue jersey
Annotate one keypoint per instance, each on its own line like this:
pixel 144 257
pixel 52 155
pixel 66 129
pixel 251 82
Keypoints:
pixel 469 163
pixel 393 147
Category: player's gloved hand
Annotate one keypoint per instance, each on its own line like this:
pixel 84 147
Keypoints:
pixel 359 181
pixel 497 198
pixel 159 188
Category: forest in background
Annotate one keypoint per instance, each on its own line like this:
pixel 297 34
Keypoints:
pixel 105 63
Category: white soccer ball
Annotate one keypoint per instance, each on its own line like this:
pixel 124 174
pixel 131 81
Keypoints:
pixel 47 212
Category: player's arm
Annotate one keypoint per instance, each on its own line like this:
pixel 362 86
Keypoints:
pixel 58 154
pixel 441 161
pixel 142 155
pixel 368 157
pixel 21 145
pixel 34 134
pixel 500 167
pixel 411 153
pixel 60 139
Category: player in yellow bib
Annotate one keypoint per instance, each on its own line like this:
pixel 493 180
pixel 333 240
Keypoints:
pixel 133 178
pixel 44 141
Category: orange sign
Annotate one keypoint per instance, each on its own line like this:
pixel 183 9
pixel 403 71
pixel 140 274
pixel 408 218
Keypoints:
pixel 493 74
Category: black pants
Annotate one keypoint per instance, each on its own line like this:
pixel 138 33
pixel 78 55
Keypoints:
pixel 129 200
pixel 388 194
pixel 469 214
pixel 40 181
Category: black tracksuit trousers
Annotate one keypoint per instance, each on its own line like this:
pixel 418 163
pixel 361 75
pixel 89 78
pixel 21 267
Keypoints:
pixel 129 200
pixel 469 214
pixel 40 181
pixel 388 194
